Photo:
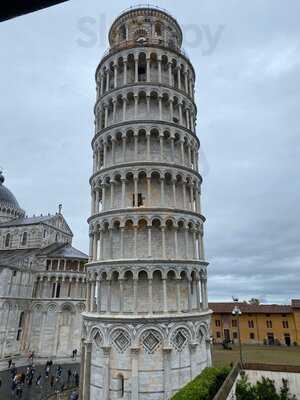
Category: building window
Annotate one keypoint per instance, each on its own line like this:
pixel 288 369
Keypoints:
pixel 7 240
pixel 19 333
pixel 14 273
pixel 234 335
pixel 158 29
pixel 252 336
pixel 44 233
pixel 218 322
pixel 285 324
pixel 251 323
pixel 24 239
pixel 56 237
pixel 234 323
pixel 269 323
pixel 218 334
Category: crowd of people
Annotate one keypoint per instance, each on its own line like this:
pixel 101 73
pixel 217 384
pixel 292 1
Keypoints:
pixel 47 378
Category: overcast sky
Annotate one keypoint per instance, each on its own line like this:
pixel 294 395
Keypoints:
pixel 247 59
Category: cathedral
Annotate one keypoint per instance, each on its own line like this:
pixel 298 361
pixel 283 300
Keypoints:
pixel 147 321
pixel 42 282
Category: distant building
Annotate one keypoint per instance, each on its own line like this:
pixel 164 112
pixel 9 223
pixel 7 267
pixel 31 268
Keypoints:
pixel 259 324
pixel 42 282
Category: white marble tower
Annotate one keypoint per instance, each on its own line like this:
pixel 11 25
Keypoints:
pixel 146 325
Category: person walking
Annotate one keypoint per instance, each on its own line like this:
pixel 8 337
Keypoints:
pixel 9 363
pixel 69 375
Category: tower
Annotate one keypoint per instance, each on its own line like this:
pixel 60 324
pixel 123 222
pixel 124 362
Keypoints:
pixel 146 325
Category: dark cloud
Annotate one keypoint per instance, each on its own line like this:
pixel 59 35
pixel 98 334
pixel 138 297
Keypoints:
pixel 248 99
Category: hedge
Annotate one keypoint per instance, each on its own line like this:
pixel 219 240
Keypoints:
pixel 205 386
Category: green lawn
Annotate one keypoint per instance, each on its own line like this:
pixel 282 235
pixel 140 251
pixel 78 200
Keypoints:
pixel 261 354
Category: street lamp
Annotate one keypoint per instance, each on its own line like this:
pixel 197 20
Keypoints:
pixel 237 313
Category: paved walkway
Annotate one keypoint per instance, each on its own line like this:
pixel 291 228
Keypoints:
pixel 35 392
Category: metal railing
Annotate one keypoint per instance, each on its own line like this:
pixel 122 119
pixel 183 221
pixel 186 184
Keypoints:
pixel 137 6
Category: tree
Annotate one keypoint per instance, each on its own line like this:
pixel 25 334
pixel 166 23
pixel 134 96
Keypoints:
pixel 263 390
pixel 254 301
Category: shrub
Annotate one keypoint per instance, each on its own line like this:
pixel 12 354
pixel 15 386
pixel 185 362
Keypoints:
pixel 204 386
pixel 262 390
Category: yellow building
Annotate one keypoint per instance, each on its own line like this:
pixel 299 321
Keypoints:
pixel 259 323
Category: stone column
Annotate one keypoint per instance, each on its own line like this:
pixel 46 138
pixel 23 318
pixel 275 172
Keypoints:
pixel 136 70
pixel 186 86
pixel 98 285
pixel 198 294
pixel 170 74
pixel 123 180
pixel 121 283
pixel 178 294
pixel 136 98
pixel 114 101
pixel 148 77
pixel 92 296
pixel 159 70
pixel 135 178
pixel 88 295
pixel 107 80
pixel 182 151
pixel 160 107
pixel 194 361
pixel 164 280
pixel 124 108
pixel 179 78
pixel 135 241
pixel 187 117
pixel 174 192
pixel 104 154
pixel 163 237
pixel 108 295
pixel 134 373
pixel 162 191
pixel 148 145
pixel 149 191
pixel 101 84
pixel 172 148
pixel 122 241
pixel 106 373
pixel 95 245
pixel 124 147
pixel 161 144
pixel 167 372
pixel 149 241
pixel 87 370
pixel 135 137
pixel 112 182
pixel 82 369
pixel 97 201
pixel 180 113
pixel 135 281
pixel 175 242
pixel 184 194
pixel 148 103
pixel 150 298
pixel 186 240
pixel 125 72
pixel 115 76
pixel 171 110
pixel 106 116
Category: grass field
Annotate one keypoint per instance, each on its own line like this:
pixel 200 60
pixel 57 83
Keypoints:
pixel 260 354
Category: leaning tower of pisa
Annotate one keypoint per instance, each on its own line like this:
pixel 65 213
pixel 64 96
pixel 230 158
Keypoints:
pixel 146 325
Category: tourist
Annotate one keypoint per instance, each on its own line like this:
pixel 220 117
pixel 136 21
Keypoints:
pixel 9 363
pixel 69 375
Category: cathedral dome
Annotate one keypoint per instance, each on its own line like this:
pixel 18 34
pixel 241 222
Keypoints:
pixel 9 206
pixel 6 195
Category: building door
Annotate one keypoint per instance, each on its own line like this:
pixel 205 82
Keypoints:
pixel 271 340
pixel 287 339
pixel 226 335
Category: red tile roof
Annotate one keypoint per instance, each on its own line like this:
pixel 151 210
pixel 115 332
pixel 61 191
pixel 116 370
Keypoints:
pixel 226 308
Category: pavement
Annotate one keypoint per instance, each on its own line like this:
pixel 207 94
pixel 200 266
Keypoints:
pixel 35 392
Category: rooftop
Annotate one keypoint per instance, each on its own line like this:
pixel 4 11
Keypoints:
pixel 227 308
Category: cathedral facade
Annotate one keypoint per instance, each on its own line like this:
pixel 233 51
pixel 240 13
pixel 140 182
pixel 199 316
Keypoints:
pixel 42 282
pixel 147 322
